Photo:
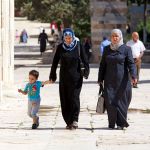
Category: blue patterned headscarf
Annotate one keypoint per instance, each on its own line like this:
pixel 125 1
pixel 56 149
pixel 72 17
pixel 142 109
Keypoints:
pixel 69 32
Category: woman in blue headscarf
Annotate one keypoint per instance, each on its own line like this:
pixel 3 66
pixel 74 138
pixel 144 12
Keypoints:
pixel 70 76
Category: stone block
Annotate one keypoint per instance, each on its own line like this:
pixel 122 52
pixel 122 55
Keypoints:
pixel 106 15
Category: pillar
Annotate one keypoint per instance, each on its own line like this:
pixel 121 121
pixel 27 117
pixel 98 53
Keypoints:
pixel 6 43
pixel 105 16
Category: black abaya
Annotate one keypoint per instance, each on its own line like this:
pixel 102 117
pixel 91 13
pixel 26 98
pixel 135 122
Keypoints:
pixel 70 83
pixel 43 38
pixel 114 71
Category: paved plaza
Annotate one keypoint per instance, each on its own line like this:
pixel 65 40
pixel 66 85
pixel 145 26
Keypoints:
pixel 93 134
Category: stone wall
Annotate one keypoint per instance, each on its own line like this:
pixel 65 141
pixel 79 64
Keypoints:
pixel 137 15
pixel 105 16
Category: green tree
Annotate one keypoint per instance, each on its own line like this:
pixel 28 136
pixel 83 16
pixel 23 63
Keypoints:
pixel 29 11
pixel 20 3
pixel 138 2
pixel 144 22
pixel 81 19
pixel 71 13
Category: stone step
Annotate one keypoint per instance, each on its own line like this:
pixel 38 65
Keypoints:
pixel 27 52
pixel 32 55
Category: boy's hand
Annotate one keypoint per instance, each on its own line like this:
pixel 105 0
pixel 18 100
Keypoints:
pixel 19 90
pixel 46 82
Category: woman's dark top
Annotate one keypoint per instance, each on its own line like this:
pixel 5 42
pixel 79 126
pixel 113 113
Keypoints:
pixel 69 64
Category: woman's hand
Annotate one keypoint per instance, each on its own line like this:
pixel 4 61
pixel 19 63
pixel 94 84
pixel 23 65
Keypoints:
pixel 51 81
pixel 100 83
pixel 134 81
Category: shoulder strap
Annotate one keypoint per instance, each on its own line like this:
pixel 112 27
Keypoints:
pixel 101 89
pixel 78 43
pixel 79 51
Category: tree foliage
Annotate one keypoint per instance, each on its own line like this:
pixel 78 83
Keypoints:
pixel 71 13
pixel 20 3
pixel 138 2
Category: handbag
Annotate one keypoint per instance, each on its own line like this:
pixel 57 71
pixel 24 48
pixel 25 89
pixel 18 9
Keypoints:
pixel 83 71
pixel 100 108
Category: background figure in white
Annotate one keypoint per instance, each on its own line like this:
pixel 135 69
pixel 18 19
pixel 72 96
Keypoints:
pixel 138 49
pixel 41 29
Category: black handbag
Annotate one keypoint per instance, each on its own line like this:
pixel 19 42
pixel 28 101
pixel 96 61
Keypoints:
pixel 83 71
pixel 100 108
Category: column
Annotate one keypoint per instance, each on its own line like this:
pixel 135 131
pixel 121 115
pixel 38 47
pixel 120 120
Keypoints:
pixel 6 42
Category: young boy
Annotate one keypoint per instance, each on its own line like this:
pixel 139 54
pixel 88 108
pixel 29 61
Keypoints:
pixel 33 90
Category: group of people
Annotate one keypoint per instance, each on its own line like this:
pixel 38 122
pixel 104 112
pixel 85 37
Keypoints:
pixel 117 73
pixel 43 40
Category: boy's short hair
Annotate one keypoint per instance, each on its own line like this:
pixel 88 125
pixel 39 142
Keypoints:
pixel 34 73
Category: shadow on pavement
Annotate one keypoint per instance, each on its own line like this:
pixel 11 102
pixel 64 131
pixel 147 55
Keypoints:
pixel 144 82
pixel 57 128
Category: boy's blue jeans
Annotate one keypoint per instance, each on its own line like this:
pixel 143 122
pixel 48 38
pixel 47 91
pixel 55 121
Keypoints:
pixel 33 108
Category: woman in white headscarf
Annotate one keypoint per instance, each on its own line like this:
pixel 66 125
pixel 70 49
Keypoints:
pixel 116 69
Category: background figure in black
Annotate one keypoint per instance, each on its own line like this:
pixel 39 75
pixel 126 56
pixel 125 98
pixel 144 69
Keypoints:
pixel 87 47
pixel 70 83
pixel 128 29
pixel 116 64
pixel 43 39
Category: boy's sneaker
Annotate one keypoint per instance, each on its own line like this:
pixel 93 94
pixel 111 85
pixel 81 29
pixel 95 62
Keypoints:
pixel 34 126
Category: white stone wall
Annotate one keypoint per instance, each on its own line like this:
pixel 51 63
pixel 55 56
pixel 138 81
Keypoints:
pixel 6 42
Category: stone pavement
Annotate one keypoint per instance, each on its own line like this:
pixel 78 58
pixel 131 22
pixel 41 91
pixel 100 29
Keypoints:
pixel 33 30
pixel 15 125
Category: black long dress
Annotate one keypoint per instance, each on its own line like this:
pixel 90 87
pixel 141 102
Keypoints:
pixel 87 47
pixel 70 81
pixel 114 71
pixel 43 38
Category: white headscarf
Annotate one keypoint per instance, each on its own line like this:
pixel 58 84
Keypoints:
pixel 119 33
